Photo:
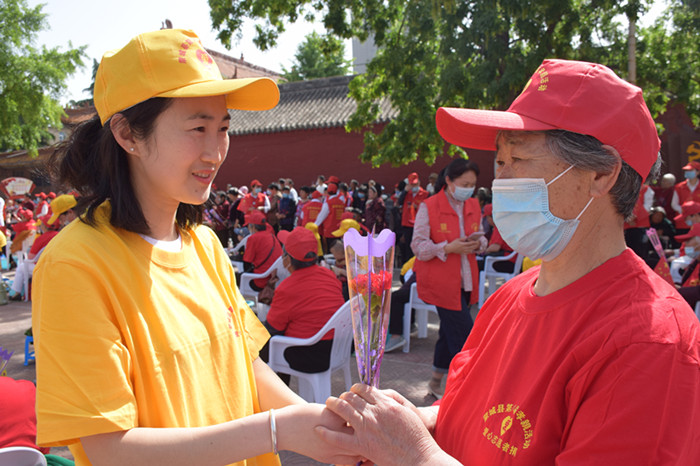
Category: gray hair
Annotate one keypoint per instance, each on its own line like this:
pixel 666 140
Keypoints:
pixel 588 153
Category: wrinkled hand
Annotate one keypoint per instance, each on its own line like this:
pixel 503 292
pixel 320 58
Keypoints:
pixel 388 430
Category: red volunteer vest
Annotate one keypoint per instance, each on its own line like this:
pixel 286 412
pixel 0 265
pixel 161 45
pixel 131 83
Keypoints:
pixel 641 215
pixel 410 207
pixel 684 195
pixel 251 201
pixel 439 282
pixel 310 211
pixel 336 207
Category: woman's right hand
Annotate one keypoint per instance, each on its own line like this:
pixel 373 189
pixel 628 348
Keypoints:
pixel 462 246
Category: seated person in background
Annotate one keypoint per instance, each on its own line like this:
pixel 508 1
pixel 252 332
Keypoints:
pixel 262 248
pixel 664 227
pixel 690 245
pixel 303 303
pixel 497 246
pixel 62 215
pixel 23 229
pixel 17 415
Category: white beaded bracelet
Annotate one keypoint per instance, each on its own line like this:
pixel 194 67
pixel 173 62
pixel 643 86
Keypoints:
pixel 273 431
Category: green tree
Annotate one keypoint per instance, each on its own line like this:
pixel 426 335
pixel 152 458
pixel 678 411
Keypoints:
pixel 318 57
pixel 475 53
pixel 31 79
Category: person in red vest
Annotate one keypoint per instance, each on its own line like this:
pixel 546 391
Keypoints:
pixel 497 245
pixel 256 199
pixel 415 195
pixel 331 212
pixel 446 238
pixel 637 225
pixel 690 214
pixel 311 209
pixel 686 191
pixel 262 248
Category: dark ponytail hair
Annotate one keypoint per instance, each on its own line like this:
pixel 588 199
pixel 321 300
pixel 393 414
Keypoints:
pixel 454 170
pixel 96 166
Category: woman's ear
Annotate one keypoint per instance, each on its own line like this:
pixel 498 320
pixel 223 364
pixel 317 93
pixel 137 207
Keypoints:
pixel 604 182
pixel 122 133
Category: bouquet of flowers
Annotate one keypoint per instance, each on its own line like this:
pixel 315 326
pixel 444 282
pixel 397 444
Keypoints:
pixel 369 261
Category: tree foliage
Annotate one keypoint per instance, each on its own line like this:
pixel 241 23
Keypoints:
pixel 31 79
pixel 318 57
pixel 477 53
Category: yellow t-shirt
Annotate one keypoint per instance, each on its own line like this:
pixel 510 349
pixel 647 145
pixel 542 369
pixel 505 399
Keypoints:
pixel 129 335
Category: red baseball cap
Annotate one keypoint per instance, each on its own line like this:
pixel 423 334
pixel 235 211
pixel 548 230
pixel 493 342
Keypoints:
pixel 688 208
pixel 42 195
pixel 256 218
pixel 316 194
pixel 581 97
pixel 413 178
pixel 692 166
pixel 255 183
pixel 299 243
pixel 51 195
pixel 694 231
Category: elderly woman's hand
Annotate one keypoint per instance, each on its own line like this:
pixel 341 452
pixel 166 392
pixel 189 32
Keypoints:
pixel 388 429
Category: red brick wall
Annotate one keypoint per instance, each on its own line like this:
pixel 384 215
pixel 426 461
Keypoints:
pixel 303 155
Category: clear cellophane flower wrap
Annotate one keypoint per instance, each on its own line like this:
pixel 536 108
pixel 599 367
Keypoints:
pixel 370 265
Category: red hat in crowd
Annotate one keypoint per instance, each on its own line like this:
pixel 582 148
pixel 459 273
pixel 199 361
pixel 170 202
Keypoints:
pixel 692 166
pixel 26 213
pixel 413 178
pixel 316 194
pixel 51 195
pixel 42 195
pixel 333 179
pixel 688 208
pixel 488 210
pixel 300 243
pixel 347 214
pixel 255 183
pixel 585 98
pixel 256 218
pixel 694 231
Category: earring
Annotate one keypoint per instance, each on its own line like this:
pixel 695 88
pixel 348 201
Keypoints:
pixel 132 149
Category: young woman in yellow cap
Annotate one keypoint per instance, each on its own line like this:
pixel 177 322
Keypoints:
pixel 146 351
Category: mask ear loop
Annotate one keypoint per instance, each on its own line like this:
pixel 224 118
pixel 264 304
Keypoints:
pixel 560 175
pixel 584 209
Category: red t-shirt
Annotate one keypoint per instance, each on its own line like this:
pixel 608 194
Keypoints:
pixel 41 241
pixel 496 238
pixel 257 252
pixel 603 371
pixel 17 414
pixel 305 301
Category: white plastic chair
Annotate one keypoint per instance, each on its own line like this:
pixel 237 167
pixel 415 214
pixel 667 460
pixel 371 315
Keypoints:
pixel 247 278
pixel 21 456
pixel 490 274
pixel 238 265
pixel 317 387
pixel 422 309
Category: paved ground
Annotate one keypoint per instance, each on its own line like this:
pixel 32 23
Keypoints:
pixel 406 373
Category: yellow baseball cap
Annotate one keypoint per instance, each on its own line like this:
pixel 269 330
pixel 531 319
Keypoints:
pixel 60 205
pixel 171 63
pixel 345 225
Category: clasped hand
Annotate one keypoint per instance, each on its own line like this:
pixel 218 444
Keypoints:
pixel 386 428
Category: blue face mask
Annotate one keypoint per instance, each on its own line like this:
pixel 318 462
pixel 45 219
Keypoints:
pixel 691 252
pixel 415 190
pixel 360 195
pixel 689 222
pixel 462 194
pixel 690 174
pixel 285 195
pixel 257 190
pixel 521 214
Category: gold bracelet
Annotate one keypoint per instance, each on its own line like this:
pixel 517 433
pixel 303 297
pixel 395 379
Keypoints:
pixel 273 431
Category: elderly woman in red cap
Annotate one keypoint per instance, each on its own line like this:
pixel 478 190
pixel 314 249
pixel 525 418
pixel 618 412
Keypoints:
pixel 146 351
pixel 591 358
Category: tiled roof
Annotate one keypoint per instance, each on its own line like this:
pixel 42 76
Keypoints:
pixel 312 104
pixel 231 67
